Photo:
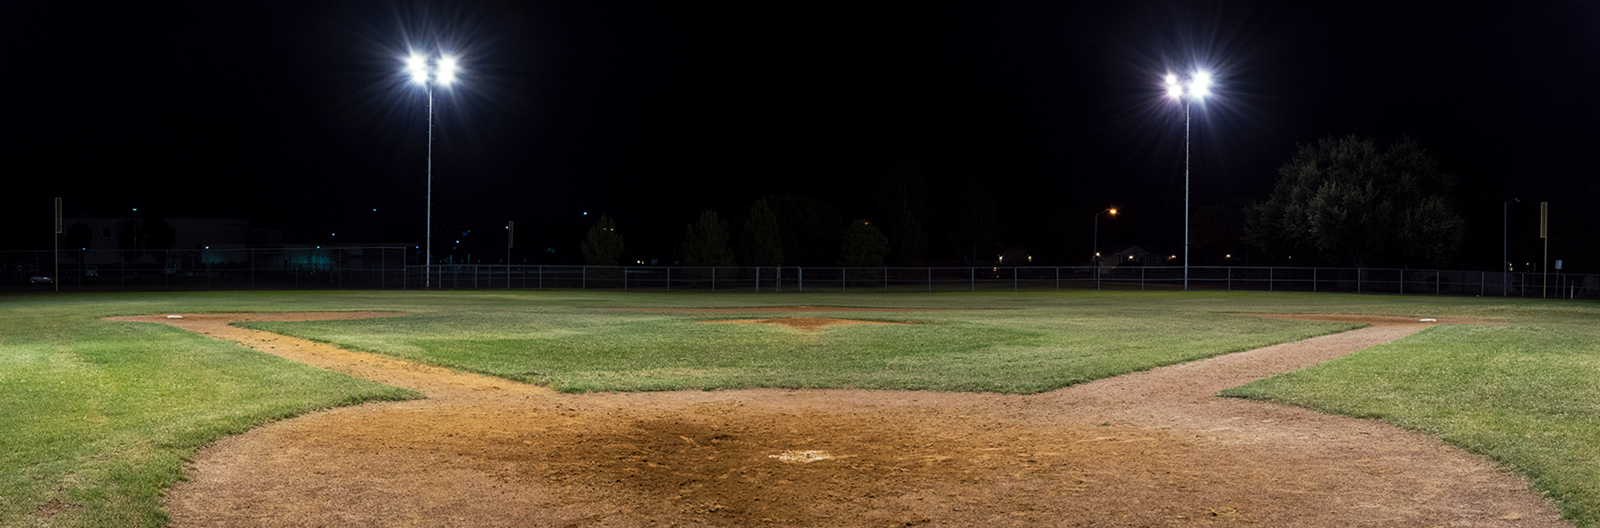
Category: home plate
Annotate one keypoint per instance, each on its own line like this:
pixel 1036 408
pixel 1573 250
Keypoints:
pixel 802 456
pixel 174 317
pixel 1427 320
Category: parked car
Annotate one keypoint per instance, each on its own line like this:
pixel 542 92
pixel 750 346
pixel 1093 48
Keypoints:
pixel 91 270
pixel 38 279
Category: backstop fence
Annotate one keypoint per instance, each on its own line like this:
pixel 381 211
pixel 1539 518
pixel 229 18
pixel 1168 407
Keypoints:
pixel 388 268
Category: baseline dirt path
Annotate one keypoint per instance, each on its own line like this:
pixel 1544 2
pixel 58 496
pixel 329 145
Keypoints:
pixel 1147 449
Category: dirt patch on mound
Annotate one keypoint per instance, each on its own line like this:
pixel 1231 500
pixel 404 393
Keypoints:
pixel 1151 448
pixel 808 324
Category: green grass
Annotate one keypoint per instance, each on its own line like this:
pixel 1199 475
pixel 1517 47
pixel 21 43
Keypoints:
pixel 1038 344
pixel 1526 395
pixel 99 414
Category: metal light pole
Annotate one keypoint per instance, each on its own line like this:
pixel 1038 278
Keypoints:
pixel 442 72
pixel 1505 259
pixel 1197 86
pixel 1096 259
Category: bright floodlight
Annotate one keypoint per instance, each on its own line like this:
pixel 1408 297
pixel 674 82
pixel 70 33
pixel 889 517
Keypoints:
pixel 447 69
pixel 1174 91
pixel 1200 86
pixel 1172 80
pixel 417 66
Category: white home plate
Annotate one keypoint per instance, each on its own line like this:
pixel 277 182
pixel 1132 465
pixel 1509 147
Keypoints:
pixel 174 317
pixel 802 456
pixel 1428 320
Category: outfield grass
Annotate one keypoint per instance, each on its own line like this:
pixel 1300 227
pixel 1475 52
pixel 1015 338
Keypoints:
pixel 103 411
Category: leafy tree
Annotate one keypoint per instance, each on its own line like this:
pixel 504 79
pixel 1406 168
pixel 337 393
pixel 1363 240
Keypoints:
pixel 864 245
pixel 705 243
pixel 909 240
pixel 978 231
pixel 1350 201
pixel 761 244
pixel 603 246
pixel 809 229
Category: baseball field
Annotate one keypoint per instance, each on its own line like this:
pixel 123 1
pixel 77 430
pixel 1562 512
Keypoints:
pixel 738 409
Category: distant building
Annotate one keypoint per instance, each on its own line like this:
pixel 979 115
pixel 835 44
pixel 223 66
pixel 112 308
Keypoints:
pixel 1142 256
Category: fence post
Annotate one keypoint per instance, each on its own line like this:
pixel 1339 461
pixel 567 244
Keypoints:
pixel 885 279
pixel 1058 280
pixel 930 280
pixel 584 281
pixel 669 278
pixel 1014 272
pixel 624 278
pixel 973 276
pixel 1358 280
pixel 844 279
pixel 758 279
pixel 1313 280
pixel 1402 282
pixel 1436 282
pixel 1230 278
pixel 800 282
pixel 1141 278
pixel 1269 277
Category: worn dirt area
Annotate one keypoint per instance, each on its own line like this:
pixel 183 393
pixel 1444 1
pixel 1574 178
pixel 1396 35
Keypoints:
pixel 1148 449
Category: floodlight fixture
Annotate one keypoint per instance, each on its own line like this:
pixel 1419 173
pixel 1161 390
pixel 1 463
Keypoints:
pixel 443 72
pixel 1196 87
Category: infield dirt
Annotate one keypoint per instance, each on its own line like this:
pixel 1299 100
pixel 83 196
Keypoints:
pixel 1144 449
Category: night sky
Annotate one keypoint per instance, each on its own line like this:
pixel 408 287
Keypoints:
pixel 297 115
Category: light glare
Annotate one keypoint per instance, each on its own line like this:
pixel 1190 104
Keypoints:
pixel 1172 80
pixel 447 69
pixel 1174 91
pixel 417 66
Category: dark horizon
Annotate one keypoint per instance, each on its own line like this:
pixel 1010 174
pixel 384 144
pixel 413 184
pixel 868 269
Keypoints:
pixel 296 115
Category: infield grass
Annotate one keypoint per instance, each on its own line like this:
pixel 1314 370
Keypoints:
pixel 98 415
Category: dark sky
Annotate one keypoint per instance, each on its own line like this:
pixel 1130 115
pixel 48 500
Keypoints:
pixel 296 114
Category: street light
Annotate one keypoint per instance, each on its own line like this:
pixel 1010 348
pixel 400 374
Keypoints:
pixel 440 73
pixel 1096 259
pixel 1197 86
pixel 1505 260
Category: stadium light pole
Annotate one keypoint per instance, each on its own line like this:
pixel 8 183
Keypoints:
pixel 1096 259
pixel 1505 259
pixel 1197 86
pixel 441 72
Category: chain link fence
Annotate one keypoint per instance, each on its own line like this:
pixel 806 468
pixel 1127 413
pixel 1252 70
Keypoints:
pixel 205 269
pixel 1004 278
pixel 397 268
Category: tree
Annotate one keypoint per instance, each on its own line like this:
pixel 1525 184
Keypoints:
pixel 705 243
pixel 909 240
pixel 1349 201
pixel 603 246
pixel 809 229
pixel 978 231
pixel 864 245
pixel 759 240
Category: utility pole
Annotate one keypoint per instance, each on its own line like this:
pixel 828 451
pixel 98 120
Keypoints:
pixel 56 276
pixel 1544 233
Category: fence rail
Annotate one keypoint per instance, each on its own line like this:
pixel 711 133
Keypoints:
pixel 395 268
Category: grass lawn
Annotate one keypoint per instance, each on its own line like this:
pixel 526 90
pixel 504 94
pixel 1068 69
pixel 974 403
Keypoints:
pixel 106 411
pixel 1527 395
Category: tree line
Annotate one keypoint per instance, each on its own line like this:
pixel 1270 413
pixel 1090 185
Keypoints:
pixel 1340 200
